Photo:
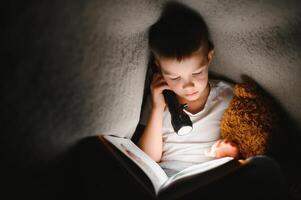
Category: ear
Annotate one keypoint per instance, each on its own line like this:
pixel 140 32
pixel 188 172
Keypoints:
pixel 210 55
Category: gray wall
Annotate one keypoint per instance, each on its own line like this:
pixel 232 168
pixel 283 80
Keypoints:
pixel 72 70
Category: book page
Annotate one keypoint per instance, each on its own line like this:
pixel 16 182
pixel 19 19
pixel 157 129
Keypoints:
pixel 197 169
pixel 150 167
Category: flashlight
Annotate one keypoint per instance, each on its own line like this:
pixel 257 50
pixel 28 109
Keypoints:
pixel 179 119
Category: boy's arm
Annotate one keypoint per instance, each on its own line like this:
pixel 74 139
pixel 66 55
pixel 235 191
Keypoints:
pixel 151 139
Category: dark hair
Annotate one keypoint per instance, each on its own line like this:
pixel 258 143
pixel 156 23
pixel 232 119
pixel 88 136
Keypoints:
pixel 178 33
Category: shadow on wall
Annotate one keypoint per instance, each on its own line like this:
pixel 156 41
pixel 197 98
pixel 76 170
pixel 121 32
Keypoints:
pixel 43 93
pixel 286 141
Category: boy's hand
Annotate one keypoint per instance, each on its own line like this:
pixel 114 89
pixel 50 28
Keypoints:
pixel 223 148
pixel 226 148
pixel 157 86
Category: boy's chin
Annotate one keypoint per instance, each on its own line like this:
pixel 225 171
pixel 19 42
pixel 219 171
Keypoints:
pixel 191 98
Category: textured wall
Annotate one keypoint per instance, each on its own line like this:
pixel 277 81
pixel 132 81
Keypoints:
pixel 73 70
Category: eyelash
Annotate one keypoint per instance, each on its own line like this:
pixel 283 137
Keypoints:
pixel 197 73
pixel 175 79
pixel 178 78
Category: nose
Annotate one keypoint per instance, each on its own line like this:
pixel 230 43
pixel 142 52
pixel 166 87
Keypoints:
pixel 188 84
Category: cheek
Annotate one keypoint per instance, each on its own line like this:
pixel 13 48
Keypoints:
pixel 175 86
pixel 202 80
pixel 202 77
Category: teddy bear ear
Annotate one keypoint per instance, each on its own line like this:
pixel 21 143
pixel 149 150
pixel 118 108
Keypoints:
pixel 246 90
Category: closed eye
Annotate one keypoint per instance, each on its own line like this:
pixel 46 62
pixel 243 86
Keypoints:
pixel 174 79
pixel 198 73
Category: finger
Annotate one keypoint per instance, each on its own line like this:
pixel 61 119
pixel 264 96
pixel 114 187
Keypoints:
pixel 233 144
pixel 226 141
pixel 159 87
pixel 158 82
pixel 164 87
pixel 156 76
pixel 219 142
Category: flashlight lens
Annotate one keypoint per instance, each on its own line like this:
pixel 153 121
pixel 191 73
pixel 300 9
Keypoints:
pixel 184 130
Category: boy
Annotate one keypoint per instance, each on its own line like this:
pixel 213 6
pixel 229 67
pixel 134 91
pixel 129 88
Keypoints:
pixel 182 50
pixel 179 42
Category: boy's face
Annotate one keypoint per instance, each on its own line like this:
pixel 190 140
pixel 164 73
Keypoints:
pixel 188 78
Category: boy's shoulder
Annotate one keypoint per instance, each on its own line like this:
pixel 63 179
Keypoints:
pixel 220 89
pixel 218 83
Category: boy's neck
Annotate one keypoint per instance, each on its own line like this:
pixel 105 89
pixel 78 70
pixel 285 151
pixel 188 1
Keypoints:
pixel 197 105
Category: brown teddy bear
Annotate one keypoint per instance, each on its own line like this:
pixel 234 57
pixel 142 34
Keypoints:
pixel 248 121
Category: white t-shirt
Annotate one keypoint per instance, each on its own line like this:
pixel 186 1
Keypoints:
pixel 194 147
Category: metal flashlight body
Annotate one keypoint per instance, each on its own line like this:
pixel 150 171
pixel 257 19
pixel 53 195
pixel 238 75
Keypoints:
pixel 179 119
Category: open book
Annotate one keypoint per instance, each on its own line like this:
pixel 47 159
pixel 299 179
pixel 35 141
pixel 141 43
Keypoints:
pixel 180 182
